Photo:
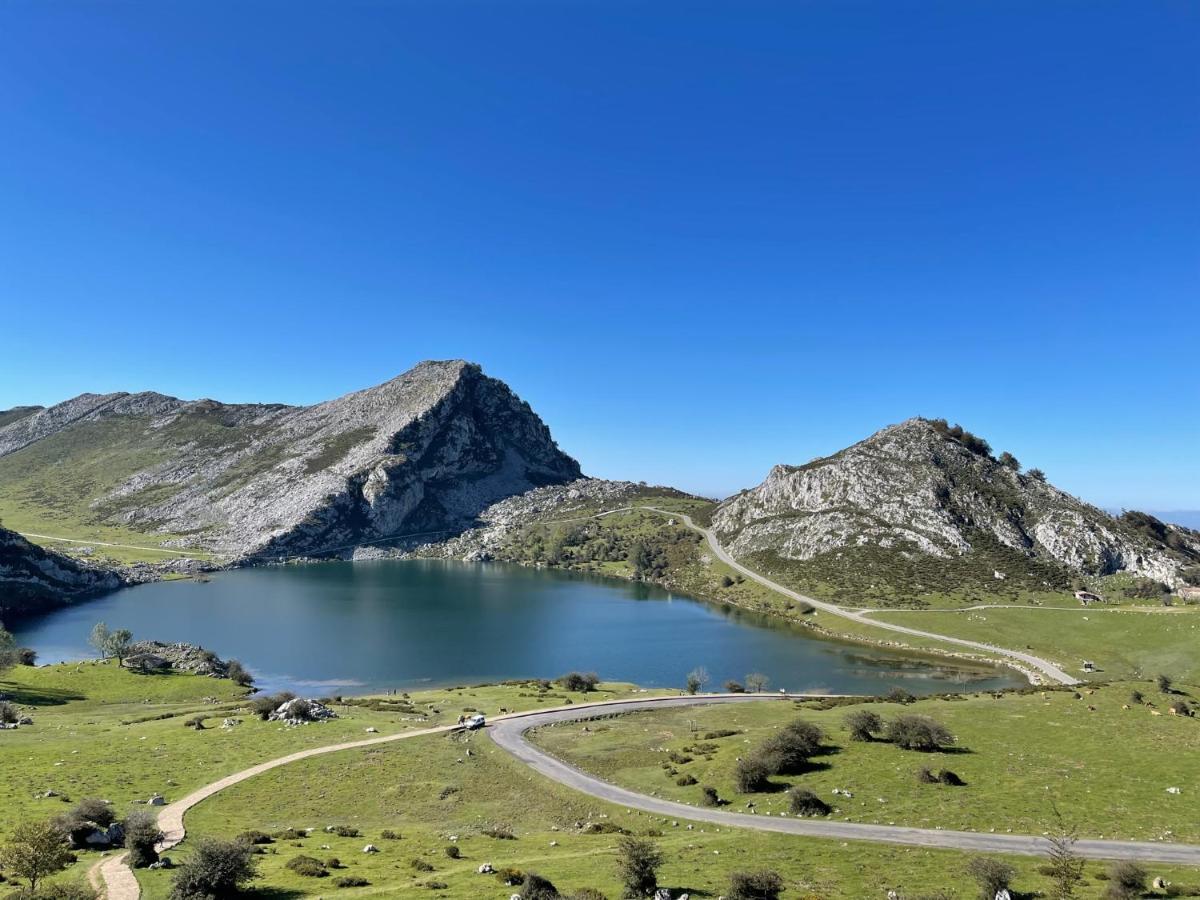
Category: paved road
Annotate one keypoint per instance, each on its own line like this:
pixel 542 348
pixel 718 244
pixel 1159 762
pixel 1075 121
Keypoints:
pixel 509 733
pixel 1026 661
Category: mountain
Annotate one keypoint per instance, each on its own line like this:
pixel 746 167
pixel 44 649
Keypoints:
pixel 424 452
pixel 32 578
pixel 926 507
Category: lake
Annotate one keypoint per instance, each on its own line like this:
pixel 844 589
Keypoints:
pixel 341 627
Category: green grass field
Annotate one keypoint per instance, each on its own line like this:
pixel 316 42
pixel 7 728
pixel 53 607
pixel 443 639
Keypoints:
pixel 1126 642
pixel 101 731
pixel 1105 766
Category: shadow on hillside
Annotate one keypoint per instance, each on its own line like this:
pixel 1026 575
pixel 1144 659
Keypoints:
pixel 28 696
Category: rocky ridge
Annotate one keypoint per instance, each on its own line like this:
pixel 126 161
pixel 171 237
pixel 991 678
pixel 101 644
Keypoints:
pixel 916 489
pixel 422 453
pixel 33 578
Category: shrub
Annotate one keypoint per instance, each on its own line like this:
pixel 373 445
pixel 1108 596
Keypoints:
pixel 696 680
pixel 1164 683
pixel 863 724
pixel 580 682
pixel 751 774
pixel 735 687
pixel 803 802
pixel 8 713
pixel 1126 880
pixel 142 835
pixel 637 866
pixel 510 876
pixel 265 705
pixel 255 837
pixel 453 851
pixel 419 865
pixel 991 875
pixel 216 869
pixel 925 776
pixel 346 831
pixel 685 780
pixel 334 863
pixel 587 894
pixel 919 733
pixel 538 888
pixel 436 885
pixel 308 867
pixel 788 750
pixel 950 778
pixel 26 656
pixel 1137 698
pixel 710 797
pixel 59 891
pixel 351 881
pixel 500 833
pixel 388 835
pixel 763 885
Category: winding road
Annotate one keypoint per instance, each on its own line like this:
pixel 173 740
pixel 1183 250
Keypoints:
pixel 113 876
pixel 1027 662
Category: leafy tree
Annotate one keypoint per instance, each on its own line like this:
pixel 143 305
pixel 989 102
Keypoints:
pixel 1009 461
pixel 919 733
pixel 1036 474
pixel 26 656
pixel 111 643
pixel 8 713
pixel 216 869
pixel 35 850
pixel 99 639
pixel 697 679
pixel 863 724
pixel 142 836
pixel 756 682
pixel 583 682
pixel 752 774
pixel 991 875
pixel 238 673
pixel 763 885
pixel 637 866
pixel 8 650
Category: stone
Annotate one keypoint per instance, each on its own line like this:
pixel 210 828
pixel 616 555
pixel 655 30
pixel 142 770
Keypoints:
pixel 370 848
pixel 157 800
pixel 485 869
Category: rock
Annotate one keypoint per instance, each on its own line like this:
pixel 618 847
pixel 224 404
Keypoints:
pixel 231 723
pixel 1173 790
pixel 301 711
pixel 157 800
pixel 662 894
pixel 163 862
pixel 372 730
pixel 25 720
pixel 370 848
pixel 486 869
pixel 1160 884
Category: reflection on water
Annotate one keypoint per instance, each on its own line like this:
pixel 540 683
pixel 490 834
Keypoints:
pixel 359 627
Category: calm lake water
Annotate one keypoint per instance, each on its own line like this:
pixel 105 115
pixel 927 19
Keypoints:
pixel 369 626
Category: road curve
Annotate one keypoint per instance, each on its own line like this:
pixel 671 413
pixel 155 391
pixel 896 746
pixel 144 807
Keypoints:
pixel 509 733
pixel 1027 660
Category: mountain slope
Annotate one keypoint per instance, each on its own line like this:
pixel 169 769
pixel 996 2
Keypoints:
pixel 920 507
pixel 425 451
pixel 32 578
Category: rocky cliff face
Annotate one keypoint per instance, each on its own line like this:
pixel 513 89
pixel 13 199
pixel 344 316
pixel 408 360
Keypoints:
pixel 914 489
pixel 424 452
pixel 33 578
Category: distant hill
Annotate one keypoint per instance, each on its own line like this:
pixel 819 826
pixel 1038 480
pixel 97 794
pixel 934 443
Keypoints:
pixel 33 578
pixel 423 452
pixel 924 507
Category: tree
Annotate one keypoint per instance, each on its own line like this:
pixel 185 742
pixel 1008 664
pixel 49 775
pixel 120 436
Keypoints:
pixel 99 639
pixel 111 643
pixel 637 866
pixel 1126 880
pixel 26 656
pixel 1164 682
pixel 756 682
pixel 1009 461
pixel 919 733
pixel 763 885
pixel 35 850
pixel 583 682
pixel 238 673
pixel 991 875
pixel 1065 866
pixel 1036 474
pixel 862 724
pixel 142 836
pixel 697 679
pixel 216 869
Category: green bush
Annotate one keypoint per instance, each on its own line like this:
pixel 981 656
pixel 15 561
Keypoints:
pixel 919 733
pixel 538 888
pixel 579 682
pixel 308 867
pixel 763 885
pixel 142 835
pixel 803 802
pixel 346 881
pixel 863 724
pixel 637 866
pixel 991 875
pixel 420 865
pixel 216 869
pixel 752 774
pixel 453 851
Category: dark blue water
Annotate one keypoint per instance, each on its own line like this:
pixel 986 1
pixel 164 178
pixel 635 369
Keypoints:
pixel 369 626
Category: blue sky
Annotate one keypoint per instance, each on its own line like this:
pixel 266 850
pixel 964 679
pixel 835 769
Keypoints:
pixel 700 238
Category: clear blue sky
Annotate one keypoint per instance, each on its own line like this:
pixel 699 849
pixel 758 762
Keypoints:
pixel 700 238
